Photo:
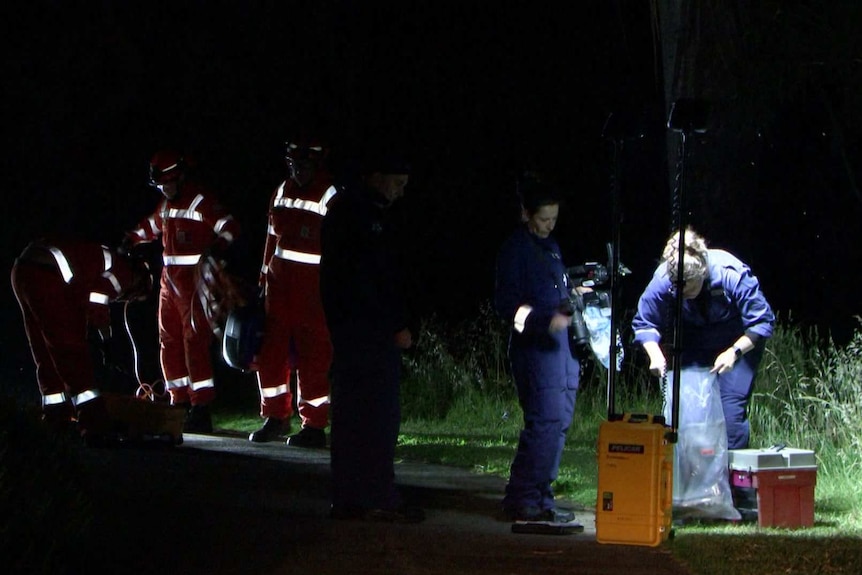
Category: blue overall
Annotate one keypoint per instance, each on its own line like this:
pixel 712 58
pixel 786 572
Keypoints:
pixel 531 286
pixel 730 304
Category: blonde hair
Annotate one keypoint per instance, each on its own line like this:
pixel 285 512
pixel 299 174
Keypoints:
pixel 694 260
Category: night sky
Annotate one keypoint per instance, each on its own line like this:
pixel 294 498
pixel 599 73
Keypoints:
pixel 478 91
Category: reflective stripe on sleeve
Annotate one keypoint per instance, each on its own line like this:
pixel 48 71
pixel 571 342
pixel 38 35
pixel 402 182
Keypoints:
pixel 115 283
pixel 153 227
pixel 63 264
pixel 221 223
pixel 99 298
pixel 521 318
pixel 109 259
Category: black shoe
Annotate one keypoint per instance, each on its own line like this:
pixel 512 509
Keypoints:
pixel 534 514
pixel 198 420
pixel 401 514
pixel 308 437
pixel 272 429
pixel 95 440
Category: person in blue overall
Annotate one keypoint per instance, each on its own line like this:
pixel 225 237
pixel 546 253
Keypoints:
pixel 725 323
pixel 363 302
pixel 532 295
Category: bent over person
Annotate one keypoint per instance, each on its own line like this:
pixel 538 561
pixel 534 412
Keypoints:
pixel 532 295
pixel 63 288
pixel 725 321
pixel 191 223
pixel 296 338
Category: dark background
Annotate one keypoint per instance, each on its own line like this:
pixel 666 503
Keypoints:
pixel 478 91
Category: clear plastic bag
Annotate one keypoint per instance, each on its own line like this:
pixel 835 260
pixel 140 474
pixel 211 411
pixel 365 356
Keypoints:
pixel 701 480
pixel 597 318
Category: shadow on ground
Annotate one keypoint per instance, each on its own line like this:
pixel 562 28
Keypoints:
pixel 221 505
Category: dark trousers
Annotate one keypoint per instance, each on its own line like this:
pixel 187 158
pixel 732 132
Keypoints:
pixel 736 387
pixel 365 417
pixel 547 384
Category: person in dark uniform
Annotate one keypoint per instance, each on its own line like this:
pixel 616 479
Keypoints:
pixel 363 301
pixel 725 319
pixel 532 295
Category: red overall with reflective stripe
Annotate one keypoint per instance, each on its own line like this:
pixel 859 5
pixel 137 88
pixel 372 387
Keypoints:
pixel 63 288
pixel 189 225
pixel 296 337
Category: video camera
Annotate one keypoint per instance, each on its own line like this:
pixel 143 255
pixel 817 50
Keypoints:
pixel 591 274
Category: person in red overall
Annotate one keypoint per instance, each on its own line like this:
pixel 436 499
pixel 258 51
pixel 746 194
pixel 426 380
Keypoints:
pixel 295 336
pixel 63 287
pixel 192 225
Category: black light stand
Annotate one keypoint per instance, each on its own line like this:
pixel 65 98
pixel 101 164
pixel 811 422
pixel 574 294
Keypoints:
pixel 686 116
pixel 618 129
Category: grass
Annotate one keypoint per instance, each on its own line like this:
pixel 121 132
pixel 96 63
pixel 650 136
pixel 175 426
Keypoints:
pixel 808 395
pixel 460 410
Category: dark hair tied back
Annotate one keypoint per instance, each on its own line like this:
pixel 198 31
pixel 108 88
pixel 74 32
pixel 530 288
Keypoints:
pixel 534 194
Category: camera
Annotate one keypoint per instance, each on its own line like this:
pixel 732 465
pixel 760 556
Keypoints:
pixel 591 311
pixel 591 274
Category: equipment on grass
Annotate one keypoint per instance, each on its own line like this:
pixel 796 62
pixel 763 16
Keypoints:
pixel 635 494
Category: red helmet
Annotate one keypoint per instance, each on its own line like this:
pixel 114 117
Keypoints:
pixel 166 166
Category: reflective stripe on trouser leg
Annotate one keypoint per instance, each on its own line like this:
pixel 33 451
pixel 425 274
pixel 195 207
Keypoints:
pixel 202 392
pixel 54 399
pixel 84 397
pixel 313 412
pixel 275 401
pixel 178 389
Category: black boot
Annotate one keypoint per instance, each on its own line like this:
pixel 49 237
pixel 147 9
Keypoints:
pixel 309 437
pixel 199 420
pixel 271 430
pixel 95 425
pixel 60 420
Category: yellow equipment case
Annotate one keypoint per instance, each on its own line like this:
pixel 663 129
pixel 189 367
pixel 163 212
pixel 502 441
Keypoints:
pixel 635 494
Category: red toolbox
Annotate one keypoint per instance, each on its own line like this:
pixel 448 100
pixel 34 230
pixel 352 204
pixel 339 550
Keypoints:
pixel 784 480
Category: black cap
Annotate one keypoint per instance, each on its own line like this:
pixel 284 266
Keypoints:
pixel 386 160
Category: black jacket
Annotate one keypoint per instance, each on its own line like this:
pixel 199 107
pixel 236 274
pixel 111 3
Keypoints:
pixel 360 282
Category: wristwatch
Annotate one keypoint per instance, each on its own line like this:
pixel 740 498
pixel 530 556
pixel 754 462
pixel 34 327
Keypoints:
pixel 737 352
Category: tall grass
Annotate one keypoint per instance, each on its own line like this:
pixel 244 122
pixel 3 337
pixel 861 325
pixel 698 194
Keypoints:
pixel 809 395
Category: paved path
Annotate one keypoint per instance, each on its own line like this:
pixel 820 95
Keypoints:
pixel 221 505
